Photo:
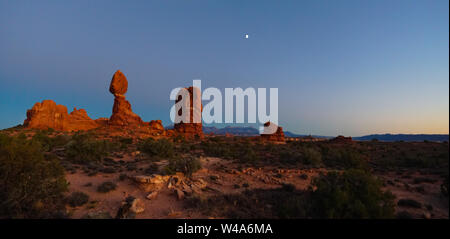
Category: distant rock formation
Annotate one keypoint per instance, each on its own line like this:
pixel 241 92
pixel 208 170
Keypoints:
pixel 122 114
pixel 342 139
pixel 278 136
pixel 190 129
pixel 48 114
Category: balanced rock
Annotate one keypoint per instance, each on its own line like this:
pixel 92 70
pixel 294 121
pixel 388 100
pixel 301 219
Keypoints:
pixel 278 136
pixel 122 113
pixel 119 84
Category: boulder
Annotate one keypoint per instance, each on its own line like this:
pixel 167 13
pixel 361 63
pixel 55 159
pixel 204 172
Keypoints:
pixel 119 84
pixel 137 206
pixel 152 195
pixel 150 183
pixel 130 207
pixel 179 193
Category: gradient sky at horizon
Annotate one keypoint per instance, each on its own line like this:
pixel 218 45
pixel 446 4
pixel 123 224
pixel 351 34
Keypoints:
pixel 342 67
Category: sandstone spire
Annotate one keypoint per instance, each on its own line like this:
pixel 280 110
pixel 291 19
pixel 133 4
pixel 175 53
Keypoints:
pixel 122 114
pixel 190 129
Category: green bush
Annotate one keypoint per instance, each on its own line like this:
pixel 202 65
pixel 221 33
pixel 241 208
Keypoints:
pixel 345 158
pixel 312 157
pixel 215 147
pixel 444 186
pixel 161 148
pixel 30 185
pixel 188 166
pixel 106 187
pixel 246 154
pixel 351 194
pixel 409 203
pixel 77 199
pixel 48 143
pixel 83 148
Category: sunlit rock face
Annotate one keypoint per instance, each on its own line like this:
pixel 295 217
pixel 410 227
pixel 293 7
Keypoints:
pixel 278 136
pixel 190 129
pixel 47 114
pixel 122 113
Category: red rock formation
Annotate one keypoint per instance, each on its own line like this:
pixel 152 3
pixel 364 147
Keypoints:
pixel 156 125
pixel 278 136
pixel 50 115
pixel 342 139
pixel 190 129
pixel 122 114
pixel 119 84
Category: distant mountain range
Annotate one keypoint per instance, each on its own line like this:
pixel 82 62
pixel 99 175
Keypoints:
pixel 404 137
pixel 250 131
pixel 238 131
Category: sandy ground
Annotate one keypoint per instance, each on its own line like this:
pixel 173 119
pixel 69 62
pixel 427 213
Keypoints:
pixel 166 204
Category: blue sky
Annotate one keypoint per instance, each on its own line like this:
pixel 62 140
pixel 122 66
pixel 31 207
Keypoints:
pixel 342 67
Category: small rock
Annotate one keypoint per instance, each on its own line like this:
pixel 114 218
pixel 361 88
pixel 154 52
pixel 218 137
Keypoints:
pixel 426 215
pixel 130 207
pixel 137 206
pixel 152 195
pixel 180 194
pixel 214 177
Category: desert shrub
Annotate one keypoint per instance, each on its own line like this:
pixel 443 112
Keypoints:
pixel 289 156
pixel 217 148
pixel 125 140
pixel 311 157
pixel 30 185
pixel 288 187
pixel 152 169
pixel 246 154
pixel 106 187
pixel 77 199
pixel 404 215
pixel 444 186
pixel 97 215
pixel 121 143
pixel 424 180
pixel 351 194
pixel 122 177
pixel 409 203
pixel 83 148
pixel 48 143
pixel 162 147
pixel 345 158
pixel 188 165
pixel 283 202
